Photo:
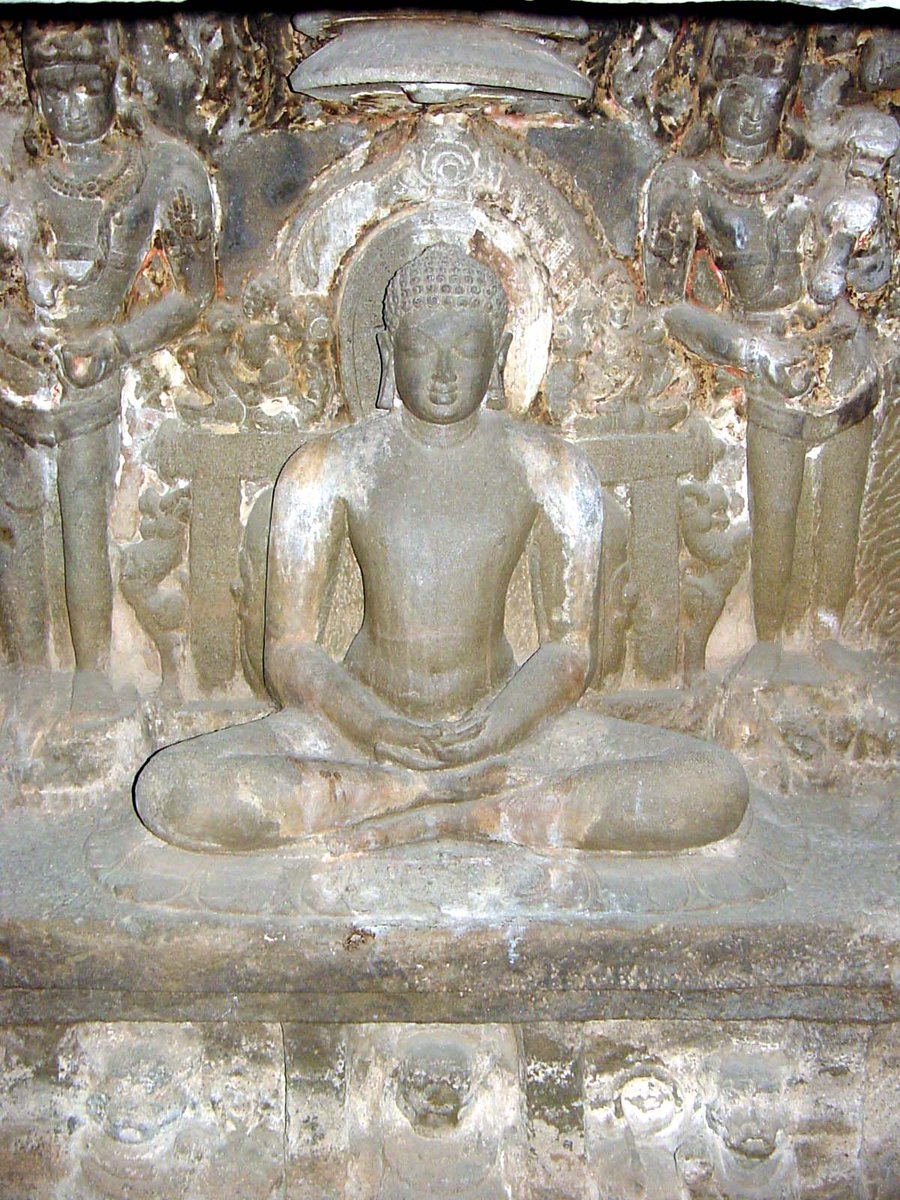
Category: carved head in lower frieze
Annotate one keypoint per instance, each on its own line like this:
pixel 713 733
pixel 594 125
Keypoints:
pixel 71 71
pixel 748 1111
pixel 137 1086
pixel 434 1081
pixel 443 341
pixel 649 1100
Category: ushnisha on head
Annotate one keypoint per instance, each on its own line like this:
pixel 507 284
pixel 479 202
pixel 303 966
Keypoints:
pixel 443 344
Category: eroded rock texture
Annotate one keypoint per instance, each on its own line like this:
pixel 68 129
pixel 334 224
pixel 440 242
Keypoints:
pixel 613 1108
pixel 693 221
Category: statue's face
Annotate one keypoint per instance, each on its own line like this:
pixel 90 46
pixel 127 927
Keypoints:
pixel 443 362
pixel 78 102
pixel 750 111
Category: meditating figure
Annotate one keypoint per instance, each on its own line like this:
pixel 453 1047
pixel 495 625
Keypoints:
pixel 429 727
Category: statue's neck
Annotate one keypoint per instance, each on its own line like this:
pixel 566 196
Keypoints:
pixel 742 156
pixel 428 433
pixel 88 156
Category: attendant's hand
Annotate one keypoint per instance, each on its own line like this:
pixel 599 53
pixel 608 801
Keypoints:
pixel 785 366
pixel 89 359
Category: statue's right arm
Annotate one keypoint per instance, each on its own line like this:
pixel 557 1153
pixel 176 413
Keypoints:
pixel 309 525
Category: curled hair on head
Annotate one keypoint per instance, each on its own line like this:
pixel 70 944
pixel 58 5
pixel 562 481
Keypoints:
pixel 445 276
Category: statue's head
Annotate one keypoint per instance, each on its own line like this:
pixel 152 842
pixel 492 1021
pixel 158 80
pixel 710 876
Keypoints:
pixel 444 316
pixel 754 74
pixel 71 71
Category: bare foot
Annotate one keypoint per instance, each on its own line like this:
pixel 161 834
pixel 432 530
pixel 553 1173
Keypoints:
pixel 469 782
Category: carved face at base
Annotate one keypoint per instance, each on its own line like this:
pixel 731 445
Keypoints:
pixel 434 1083
pixel 443 361
pixel 649 1103
pixel 747 1112
pixel 77 101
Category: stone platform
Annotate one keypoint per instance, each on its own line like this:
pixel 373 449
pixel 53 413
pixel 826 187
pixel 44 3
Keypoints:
pixel 447 1019
pixel 791 917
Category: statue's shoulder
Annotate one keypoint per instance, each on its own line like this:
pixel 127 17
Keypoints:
pixel 677 172
pixel 172 164
pixel 330 458
pixel 540 441
pixel 551 462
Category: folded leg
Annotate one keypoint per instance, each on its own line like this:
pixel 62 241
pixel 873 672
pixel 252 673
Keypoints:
pixel 683 793
pixel 278 780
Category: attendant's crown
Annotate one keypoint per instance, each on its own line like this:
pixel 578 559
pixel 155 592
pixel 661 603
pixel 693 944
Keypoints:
pixel 50 44
pixel 444 276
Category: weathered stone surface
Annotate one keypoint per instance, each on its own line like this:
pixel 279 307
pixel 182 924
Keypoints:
pixel 436 62
pixel 608 162
pixel 797 924
pixel 624 1109
pixel 694 221
pixel 142 1110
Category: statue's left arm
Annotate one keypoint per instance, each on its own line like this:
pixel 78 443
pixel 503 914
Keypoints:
pixel 565 571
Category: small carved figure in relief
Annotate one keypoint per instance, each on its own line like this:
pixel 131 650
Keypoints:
pixel 265 362
pixel 434 1114
pixel 111 225
pixel 429 727
pixel 792 243
pixel 633 1149
pixel 718 555
pixel 151 577
pixel 750 1150
pixel 628 377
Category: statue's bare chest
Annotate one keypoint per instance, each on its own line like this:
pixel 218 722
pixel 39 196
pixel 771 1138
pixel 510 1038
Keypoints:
pixel 435 517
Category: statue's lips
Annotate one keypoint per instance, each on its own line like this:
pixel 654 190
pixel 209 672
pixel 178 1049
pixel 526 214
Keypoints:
pixel 442 398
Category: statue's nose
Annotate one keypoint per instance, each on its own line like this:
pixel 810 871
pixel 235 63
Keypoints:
pixel 444 371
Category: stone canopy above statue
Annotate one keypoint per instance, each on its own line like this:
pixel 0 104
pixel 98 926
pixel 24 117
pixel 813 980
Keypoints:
pixel 442 61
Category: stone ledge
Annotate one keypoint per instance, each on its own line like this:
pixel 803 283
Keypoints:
pixel 818 941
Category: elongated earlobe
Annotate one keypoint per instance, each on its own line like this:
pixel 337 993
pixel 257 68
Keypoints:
pixel 496 394
pixel 386 386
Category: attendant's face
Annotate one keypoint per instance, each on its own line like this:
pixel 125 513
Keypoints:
pixel 749 111
pixel 78 102
pixel 443 361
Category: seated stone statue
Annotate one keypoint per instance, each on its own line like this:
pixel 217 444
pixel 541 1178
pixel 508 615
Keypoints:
pixel 429 727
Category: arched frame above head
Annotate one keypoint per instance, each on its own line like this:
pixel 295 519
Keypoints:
pixel 444 180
